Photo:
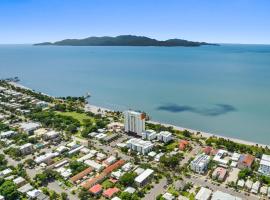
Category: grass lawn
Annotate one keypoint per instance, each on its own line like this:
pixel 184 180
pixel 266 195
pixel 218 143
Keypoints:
pixel 79 116
pixel 107 184
pixel 171 146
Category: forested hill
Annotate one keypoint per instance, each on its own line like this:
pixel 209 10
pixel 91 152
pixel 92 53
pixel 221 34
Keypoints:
pixel 125 40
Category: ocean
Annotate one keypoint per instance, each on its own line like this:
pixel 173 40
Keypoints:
pixel 218 89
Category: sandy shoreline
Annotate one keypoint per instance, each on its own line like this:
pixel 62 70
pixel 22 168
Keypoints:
pixel 101 110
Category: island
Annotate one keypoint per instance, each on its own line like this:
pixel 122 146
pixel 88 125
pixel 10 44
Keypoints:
pixel 125 40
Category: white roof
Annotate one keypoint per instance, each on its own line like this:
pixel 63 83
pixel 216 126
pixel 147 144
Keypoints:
pixel 203 194
pixel 25 188
pixel 18 180
pixel 241 183
pixel 28 126
pixel 26 145
pixel 266 157
pixel 34 193
pixel 116 198
pixel 235 156
pixel 85 157
pixel 130 190
pixel 165 133
pixel 144 175
pixel 218 195
pixel 168 196
pixel 93 164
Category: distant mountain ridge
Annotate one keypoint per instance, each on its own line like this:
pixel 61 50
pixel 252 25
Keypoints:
pixel 125 40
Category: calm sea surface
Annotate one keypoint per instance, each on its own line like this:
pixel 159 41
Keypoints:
pixel 221 89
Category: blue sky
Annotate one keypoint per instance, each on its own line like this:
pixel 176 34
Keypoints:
pixel 223 21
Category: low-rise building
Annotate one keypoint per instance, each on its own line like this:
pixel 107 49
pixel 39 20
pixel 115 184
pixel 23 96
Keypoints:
pixel 149 135
pixel 19 181
pixel 26 148
pixel 50 135
pixel 164 136
pixel 96 189
pixel 140 146
pixel 183 145
pixel 29 127
pixel 96 166
pixel 7 134
pixel 203 194
pixel 219 157
pixel 265 165
pixel 168 196
pixel 46 158
pixel 200 163
pixel 219 174
pixel 245 161
pixel 110 192
pixel 255 187
pixel 144 177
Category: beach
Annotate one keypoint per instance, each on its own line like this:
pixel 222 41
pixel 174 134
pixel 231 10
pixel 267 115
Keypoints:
pixel 102 110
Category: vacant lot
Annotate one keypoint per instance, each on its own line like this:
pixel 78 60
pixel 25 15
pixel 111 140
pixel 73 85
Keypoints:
pixel 81 117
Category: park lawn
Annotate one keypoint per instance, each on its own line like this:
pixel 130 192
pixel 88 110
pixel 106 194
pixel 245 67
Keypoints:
pixel 78 116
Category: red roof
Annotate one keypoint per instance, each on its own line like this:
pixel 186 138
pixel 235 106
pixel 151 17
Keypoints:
pixel 248 160
pixel 96 189
pixel 183 144
pixel 81 174
pixel 110 192
pixel 207 150
pixel 92 181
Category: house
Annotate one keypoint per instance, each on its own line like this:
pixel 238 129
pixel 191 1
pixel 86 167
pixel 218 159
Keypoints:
pixel 245 161
pixel 143 178
pixel 183 145
pixel 255 187
pixel 248 184
pixel 7 134
pixel 24 189
pixel 235 157
pixel 168 196
pixel 96 189
pixel 94 165
pixel 110 160
pixel 265 165
pixel 200 163
pixel 203 194
pixel 207 150
pixel 76 150
pixel 46 158
pixel 241 183
pixel 110 192
pixel 219 174
pixel 26 148
pixel 20 181
pixel 50 135
pixel 29 127
pixel 263 190
pixel 130 190
pixel 164 136
pixel 220 157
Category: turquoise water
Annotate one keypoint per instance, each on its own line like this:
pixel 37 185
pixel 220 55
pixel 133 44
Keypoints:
pixel 221 89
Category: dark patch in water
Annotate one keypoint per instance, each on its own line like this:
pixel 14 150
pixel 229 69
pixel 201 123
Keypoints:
pixel 218 109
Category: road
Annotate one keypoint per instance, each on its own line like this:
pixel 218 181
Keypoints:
pixel 58 189
pixel 156 190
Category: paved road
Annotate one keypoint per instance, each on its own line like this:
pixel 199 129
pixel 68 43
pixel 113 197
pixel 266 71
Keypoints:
pixel 58 189
pixel 156 190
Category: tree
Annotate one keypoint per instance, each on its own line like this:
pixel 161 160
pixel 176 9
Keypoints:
pixel 127 179
pixel 128 196
pixel 9 191
pixel 84 195
pixel 64 196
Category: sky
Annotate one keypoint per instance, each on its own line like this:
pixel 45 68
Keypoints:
pixel 218 21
